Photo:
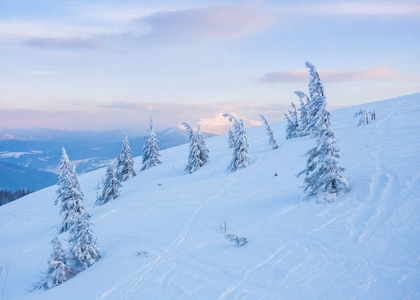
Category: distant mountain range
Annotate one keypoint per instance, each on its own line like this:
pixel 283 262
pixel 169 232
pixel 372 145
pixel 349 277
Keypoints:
pixel 38 149
pixel 13 177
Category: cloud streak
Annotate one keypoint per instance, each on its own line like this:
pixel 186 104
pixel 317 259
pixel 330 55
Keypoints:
pixel 53 34
pixel 40 72
pixel 213 22
pixel 66 43
pixel 378 73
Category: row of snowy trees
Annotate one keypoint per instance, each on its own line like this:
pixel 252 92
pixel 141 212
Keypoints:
pixel 124 169
pixel 83 248
pixel 313 119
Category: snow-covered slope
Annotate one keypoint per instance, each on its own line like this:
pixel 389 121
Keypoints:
pixel 363 246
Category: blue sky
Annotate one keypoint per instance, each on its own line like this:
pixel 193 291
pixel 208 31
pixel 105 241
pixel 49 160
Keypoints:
pixel 111 64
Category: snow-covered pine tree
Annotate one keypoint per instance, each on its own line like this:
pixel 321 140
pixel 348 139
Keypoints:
pixel 150 151
pixel 83 248
pixel 304 102
pixel 194 160
pixel 364 117
pixel 231 137
pixel 110 188
pixel 317 101
pixel 58 270
pixel 204 152
pixel 240 158
pixel 69 194
pixel 322 173
pixel 271 139
pixel 291 127
pixel 64 177
pixel 125 163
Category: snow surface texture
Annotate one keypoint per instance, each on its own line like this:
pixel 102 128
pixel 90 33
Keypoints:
pixel 363 246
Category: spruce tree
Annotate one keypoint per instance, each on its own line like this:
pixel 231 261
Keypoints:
pixel 304 102
pixel 194 160
pixel 64 177
pixel 150 151
pixel 271 139
pixel 83 248
pixel 58 270
pixel 317 103
pixel 110 188
pixel 125 163
pixel 240 158
pixel 322 173
pixel 204 152
pixel 69 194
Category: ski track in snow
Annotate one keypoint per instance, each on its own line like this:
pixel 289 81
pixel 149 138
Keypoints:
pixel 252 272
pixel 3 277
pixel 131 283
pixel 135 280
pixel 384 186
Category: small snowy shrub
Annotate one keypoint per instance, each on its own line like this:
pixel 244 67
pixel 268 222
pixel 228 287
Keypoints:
pixel 222 227
pixel 142 253
pixel 238 241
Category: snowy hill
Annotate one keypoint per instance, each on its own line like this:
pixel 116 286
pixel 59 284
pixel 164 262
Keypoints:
pixel 363 246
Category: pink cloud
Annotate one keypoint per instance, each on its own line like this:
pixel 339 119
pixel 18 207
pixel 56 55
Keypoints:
pixel 213 22
pixel 378 73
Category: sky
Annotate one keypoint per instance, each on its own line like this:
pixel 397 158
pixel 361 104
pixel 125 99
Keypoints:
pixel 100 65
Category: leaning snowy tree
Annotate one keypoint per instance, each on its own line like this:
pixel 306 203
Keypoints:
pixel 111 186
pixel 83 248
pixel 271 139
pixel 194 160
pixel 304 102
pixel 322 173
pixel 150 151
pixel 240 158
pixel 317 99
pixel 125 163
pixel 364 117
pixel 204 152
pixel 69 194
pixel 58 270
